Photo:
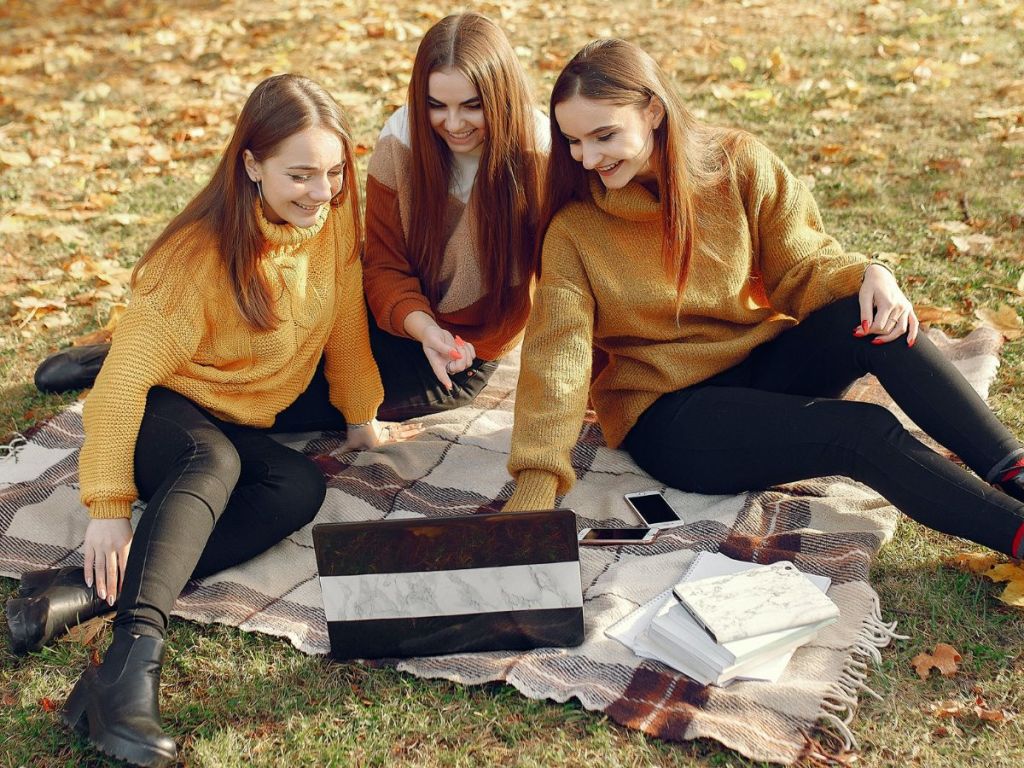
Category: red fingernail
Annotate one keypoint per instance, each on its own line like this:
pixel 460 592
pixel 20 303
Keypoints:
pixel 877 341
pixel 458 340
pixel 864 325
pixel 911 342
pixel 454 354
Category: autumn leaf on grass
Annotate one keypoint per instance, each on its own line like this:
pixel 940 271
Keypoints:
pixel 86 633
pixel 962 710
pixel 1004 319
pixel 974 562
pixel 929 315
pixel 944 658
pixel 1013 573
pixel 48 704
pixel 976 244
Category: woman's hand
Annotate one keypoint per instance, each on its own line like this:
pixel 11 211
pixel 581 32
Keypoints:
pixel 446 354
pixel 106 554
pixel 884 310
pixel 375 433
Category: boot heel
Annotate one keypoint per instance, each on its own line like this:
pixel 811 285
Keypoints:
pixel 73 713
pixel 36 581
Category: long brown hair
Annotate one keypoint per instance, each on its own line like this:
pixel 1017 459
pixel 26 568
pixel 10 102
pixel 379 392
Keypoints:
pixel 277 109
pixel 507 185
pixel 687 157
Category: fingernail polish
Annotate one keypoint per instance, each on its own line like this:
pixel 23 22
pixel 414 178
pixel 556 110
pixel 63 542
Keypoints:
pixel 864 325
pixel 876 342
pixel 454 354
pixel 911 342
pixel 458 340
pixel 110 600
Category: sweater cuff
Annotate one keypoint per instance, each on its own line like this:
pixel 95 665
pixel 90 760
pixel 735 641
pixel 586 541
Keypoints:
pixel 846 281
pixel 403 309
pixel 110 509
pixel 535 489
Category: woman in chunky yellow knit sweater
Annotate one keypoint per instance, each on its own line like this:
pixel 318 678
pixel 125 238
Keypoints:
pixel 731 322
pixel 247 314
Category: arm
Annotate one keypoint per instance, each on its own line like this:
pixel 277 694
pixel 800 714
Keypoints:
pixel 803 267
pixel 392 284
pixel 144 353
pixel 355 386
pixel 551 396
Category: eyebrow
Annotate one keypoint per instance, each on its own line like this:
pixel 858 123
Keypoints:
pixel 601 129
pixel 462 103
pixel 312 167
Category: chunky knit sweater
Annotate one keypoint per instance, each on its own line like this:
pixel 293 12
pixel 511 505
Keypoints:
pixel 764 264
pixel 183 331
pixel 393 287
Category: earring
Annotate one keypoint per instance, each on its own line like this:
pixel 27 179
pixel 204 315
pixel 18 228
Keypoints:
pixel 259 190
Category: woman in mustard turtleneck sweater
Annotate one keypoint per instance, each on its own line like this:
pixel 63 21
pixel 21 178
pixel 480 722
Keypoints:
pixel 247 313
pixel 731 322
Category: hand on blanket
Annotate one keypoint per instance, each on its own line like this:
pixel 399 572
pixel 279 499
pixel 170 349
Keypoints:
pixel 106 553
pixel 884 309
pixel 378 433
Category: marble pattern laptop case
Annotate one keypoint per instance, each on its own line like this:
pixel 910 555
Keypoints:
pixel 430 586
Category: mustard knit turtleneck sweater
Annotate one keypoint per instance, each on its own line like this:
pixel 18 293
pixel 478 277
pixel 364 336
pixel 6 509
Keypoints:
pixel 183 331
pixel 764 263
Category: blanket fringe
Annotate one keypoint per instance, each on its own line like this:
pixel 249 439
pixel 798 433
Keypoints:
pixel 840 703
pixel 10 450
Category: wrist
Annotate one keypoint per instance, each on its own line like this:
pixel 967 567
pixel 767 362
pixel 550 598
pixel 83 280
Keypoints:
pixel 876 264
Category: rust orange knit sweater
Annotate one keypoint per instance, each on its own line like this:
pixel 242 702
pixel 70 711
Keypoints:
pixel 765 264
pixel 183 331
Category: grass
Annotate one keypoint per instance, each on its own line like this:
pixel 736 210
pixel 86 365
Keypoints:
pixel 881 105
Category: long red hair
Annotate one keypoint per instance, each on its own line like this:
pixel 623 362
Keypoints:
pixel 279 107
pixel 507 185
pixel 687 157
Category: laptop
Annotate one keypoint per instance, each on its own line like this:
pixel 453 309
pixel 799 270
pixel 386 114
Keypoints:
pixel 430 586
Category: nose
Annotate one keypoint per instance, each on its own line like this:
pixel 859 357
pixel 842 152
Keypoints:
pixel 320 189
pixel 590 156
pixel 453 121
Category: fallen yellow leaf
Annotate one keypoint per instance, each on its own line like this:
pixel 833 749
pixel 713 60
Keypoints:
pixel 1004 319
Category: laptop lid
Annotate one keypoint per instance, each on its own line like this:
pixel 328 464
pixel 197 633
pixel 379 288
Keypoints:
pixel 429 586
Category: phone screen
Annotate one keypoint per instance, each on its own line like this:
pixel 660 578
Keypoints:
pixel 652 508
pixel 616 534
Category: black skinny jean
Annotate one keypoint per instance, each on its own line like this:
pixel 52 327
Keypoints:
pixel 217 494
pixel 774 418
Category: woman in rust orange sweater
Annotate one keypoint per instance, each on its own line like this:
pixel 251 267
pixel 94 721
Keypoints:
pixel 451 208
pixel 247 314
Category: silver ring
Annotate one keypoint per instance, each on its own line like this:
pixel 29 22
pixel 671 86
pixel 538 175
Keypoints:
pixel 447 368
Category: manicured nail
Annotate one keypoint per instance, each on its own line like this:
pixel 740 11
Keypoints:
pixel 88 581
pixel 110 599
pixel 864 325
pixel 911 342
pixel 858 331
pixel 459 341
pixel 876 342
pixel 454 354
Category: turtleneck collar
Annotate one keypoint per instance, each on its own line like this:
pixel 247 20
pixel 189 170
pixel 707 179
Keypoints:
pixel 633 202
pixel 285 235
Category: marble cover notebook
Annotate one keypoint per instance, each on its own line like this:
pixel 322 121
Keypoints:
pixel 430 586
pixel 755 602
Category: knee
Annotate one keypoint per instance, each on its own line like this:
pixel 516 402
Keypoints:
pixel 214 466
pixel 870 425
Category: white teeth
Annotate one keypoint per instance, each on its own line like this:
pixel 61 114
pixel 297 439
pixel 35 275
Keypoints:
pixel 605 168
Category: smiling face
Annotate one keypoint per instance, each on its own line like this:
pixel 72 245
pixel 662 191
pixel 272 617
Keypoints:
pixel 456 114
pixel 614 140
pixel 302 176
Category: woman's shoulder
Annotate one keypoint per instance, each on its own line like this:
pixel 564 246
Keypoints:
pixel 542 130
pixel 390 161
pixel 186 259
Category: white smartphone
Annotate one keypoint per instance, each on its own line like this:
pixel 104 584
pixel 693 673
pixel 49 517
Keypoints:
pixel 608 536
pixel 651 507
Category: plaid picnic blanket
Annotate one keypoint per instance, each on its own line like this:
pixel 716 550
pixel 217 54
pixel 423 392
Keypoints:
pixel 829 526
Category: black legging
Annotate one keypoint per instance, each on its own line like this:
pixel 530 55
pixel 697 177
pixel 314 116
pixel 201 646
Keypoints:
pixel 217 494
pixel 773 419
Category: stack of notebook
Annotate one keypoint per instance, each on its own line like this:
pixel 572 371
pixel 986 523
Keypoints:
pixel 728 619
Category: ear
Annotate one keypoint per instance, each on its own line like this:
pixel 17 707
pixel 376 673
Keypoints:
pixel 251 166
pixel 655 111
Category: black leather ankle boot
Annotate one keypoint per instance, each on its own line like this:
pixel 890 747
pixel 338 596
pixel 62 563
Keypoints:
pixel 71 368
pixel 116 704
pixel 49 603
